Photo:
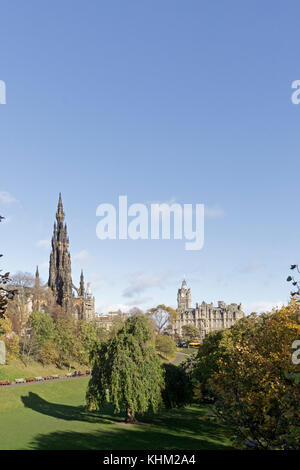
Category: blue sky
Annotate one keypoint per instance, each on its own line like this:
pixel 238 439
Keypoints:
pixel 161 100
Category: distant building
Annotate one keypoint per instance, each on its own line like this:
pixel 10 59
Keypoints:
pixel 108 320
pixel 205 317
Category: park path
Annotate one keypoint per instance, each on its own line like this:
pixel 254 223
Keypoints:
pixel 38 382
pixel 179 358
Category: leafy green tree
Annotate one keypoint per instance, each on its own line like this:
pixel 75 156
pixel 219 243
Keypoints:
pixel 67 341
pixel 42 327
pixel 117 325
pixel 200 367
pixel 165 345
pixel 89 335
pixel 127 371
pixel 190 332
pixel 40 332
pixel 178 390
pixel 216 346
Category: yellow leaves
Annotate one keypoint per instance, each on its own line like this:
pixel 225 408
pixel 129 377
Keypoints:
pixel 5 326
pixel 10 338
pixel 12 345
pixel 250 384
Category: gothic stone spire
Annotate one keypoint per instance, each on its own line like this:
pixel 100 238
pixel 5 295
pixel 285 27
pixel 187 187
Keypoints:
pixel 37 278
pixel 60 279
pixel 60 216
pixel 81 288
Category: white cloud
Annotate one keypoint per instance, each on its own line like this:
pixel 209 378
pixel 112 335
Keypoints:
pixel 214 212
pixel 44 244
pixel 97 281
pixel 106 307
pixel 139 283
pixel 139 301
pixel 81 255
pixel 7 198
pixel 6 220
pixel 261 306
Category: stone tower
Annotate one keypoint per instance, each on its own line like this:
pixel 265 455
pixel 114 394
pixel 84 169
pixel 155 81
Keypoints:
pixel 81 286
pixel 60 279
pixel 184 298
pixel 206 317
pixel 37 282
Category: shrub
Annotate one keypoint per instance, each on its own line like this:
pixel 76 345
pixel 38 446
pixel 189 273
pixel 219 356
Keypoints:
pixel 178 390
pixel 165 345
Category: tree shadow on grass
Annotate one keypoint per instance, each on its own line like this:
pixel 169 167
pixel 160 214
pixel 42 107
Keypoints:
pixel 121 438
pixel 195 419
pixel 66 412
pixel 185 429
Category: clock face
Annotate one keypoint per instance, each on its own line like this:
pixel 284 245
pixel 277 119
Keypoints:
pixel 182 294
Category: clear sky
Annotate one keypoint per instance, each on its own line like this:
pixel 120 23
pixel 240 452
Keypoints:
pixel 188 101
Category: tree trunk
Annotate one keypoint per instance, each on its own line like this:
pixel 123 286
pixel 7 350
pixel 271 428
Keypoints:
pixel 130 417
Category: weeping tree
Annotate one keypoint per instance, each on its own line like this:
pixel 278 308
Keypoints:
pixel 127 372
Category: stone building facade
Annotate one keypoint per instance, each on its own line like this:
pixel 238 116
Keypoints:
pixel 205 317
pixel 110 319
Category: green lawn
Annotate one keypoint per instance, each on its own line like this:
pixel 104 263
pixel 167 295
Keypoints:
pixel 52 416
pixel 187 351
pixel 17 369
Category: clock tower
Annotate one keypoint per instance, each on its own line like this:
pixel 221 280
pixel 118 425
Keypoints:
pixel 184 298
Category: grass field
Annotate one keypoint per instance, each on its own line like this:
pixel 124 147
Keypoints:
pixel 187 351
pixel 52 416
pixel 17 369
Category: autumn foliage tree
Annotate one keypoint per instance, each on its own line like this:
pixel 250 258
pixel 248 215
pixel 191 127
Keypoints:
pixel 10 339
pixel 127 371
pixel 249 372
